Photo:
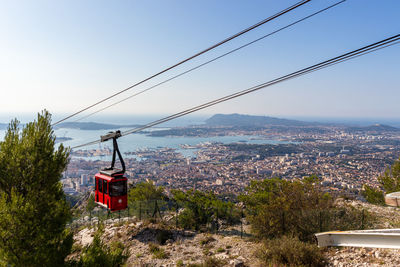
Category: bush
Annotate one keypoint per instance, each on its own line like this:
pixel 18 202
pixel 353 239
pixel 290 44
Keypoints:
pixel 390 180
pixel 202 208
pixel 98 254
pixel 278 207
pixel 146 191
pixel 158 253
pixel 206 240
pixel 220 250
pixel 290 251
pixel 373 195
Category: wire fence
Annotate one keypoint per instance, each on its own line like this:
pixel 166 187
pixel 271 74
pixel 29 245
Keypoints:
pixel 211 219
pixel 228 219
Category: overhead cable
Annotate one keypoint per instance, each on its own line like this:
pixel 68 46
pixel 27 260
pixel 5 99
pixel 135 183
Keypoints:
pixel 333 61
pixel 209 61
pixel 191 57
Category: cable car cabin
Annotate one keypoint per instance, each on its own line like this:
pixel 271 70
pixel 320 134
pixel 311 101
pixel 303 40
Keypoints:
pixel 111 185
pixel 111 191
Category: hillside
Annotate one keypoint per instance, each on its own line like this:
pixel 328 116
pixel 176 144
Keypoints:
pixel 374 128
pixel 249 120
pixel 226 248
pixel 184 246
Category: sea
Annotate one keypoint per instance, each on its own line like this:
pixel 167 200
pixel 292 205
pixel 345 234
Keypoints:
pixel 142 141
pixel 138 141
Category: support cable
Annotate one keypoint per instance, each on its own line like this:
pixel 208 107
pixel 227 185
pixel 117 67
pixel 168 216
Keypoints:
pixel 333 61
pixel 191 57
pixel 209 61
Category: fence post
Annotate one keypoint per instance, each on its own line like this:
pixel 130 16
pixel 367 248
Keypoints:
pixel 155 209
pixel 140 210
pixel 362 219
pixel 216 225
pixel 176 215
pixel 320 221
pixel 241 224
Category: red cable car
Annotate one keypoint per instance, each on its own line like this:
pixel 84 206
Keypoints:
pixel 111 185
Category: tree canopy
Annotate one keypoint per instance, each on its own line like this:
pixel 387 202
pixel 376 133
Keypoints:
pixel 390 180
pixel 277 207
pixel 33 208
pixel 146 191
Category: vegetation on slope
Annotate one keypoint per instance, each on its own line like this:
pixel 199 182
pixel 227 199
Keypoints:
pixel 33 209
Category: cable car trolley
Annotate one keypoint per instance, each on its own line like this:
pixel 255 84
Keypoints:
pixel 111 184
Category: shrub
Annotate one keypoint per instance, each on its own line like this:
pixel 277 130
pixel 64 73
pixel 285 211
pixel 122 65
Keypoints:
pixel 373 195
pixel 158 253
pixel 207 239
pixel 279 207
pixel 220 250
pixel 202 208
pixel 390 180
pixel 290 251
pixel 99 254
pixel 146 191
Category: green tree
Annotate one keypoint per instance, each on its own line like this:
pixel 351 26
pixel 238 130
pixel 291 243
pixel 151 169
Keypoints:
pixel 373 195
pixel 33 208
pixel 201 208
pixel 278 207
pixel 99 254
pixel 146 199
pixel 390 180
pixel 90 204
pixel 146 191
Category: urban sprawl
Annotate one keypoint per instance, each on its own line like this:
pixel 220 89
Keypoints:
pixel 343 158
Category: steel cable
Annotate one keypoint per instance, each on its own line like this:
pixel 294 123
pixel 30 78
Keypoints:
pixel 327 63
pixel 209 61
pixel 191 57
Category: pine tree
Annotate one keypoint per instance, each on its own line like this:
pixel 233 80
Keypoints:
pixel 390 180
pixel 33 209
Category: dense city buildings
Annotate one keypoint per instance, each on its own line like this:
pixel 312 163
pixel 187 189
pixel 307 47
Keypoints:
pixel 343 158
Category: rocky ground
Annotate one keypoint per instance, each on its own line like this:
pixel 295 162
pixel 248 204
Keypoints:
pixel 363 257
pixel 189 247
pixel 386 217
pixel 181 246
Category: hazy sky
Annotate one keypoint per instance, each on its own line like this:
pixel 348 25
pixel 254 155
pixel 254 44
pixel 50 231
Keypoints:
pixel 64 55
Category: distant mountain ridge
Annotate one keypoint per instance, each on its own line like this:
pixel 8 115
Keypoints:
pixel 250 120
pixel 261 121
pixel 375 128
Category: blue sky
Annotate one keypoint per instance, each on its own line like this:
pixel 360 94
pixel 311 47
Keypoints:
pixel 64 55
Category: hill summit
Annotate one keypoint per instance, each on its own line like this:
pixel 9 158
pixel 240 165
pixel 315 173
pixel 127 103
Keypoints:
pixel 250 120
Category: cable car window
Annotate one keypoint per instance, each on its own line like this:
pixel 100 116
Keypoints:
pixel 118 188
pixel 100 185
pixel 105 187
